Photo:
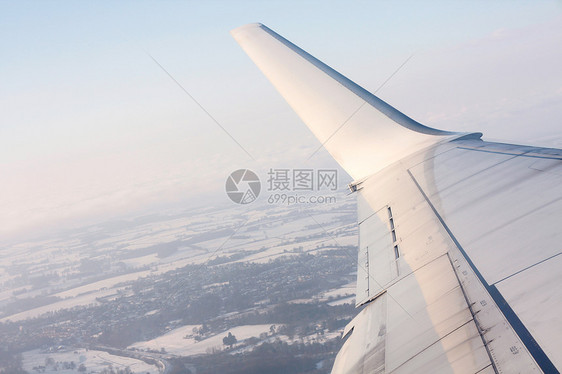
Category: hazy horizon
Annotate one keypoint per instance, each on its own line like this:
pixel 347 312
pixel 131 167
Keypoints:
pixel 94 130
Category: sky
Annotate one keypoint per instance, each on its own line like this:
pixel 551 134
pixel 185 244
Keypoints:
pixel 91 128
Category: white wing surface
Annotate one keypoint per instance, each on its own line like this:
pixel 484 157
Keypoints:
pixel 459 266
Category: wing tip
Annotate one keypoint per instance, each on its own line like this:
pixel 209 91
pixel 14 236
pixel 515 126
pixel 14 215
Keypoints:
pixel 253 25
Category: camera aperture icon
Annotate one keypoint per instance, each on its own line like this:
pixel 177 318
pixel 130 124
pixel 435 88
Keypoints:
pixel 243 186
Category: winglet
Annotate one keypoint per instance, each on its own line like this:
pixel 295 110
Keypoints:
pixel 362 132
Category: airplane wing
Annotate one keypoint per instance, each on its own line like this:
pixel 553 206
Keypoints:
pixel 459 266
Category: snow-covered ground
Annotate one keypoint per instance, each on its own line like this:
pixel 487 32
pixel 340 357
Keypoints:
pixel 88 299
pixel 312 338
pixel 265 234
pixel 346 290
pixel 94 361
pixel 345 300
pixel 181 341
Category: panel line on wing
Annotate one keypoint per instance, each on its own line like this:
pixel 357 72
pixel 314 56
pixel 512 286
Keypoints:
pixel 527 268
pixel 480 170
pixel 480 330
pixel 521 216
pixel 518 326
pixel 524 154
pixel 437 341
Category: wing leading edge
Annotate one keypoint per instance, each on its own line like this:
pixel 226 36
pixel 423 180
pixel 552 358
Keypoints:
pixel 458 238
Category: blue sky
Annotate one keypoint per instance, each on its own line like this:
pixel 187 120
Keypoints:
pixel 91 128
